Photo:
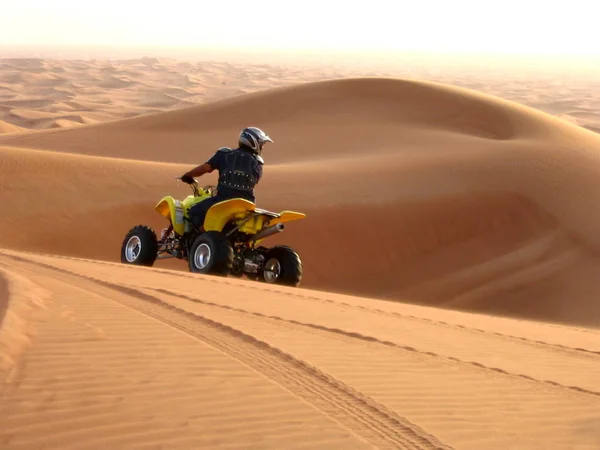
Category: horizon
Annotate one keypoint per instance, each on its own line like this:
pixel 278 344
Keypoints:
pixel 383 33
pixel 371 60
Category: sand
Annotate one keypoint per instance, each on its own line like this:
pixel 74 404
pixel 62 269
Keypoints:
pixel 35 93
pixel 450 251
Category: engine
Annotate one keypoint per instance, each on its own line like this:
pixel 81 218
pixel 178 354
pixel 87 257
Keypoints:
pixel 253 262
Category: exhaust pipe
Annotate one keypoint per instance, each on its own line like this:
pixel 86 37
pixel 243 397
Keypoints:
pixel 278 228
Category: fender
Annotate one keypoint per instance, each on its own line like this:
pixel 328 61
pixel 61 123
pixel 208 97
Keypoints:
pixel 190 201
pixel 237 209
pixel 233 209
pixel 283 216
pixel 287 216
pixel 173 210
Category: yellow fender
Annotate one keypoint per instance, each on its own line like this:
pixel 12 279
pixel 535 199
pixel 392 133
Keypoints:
pixel 221 213
pixel 287 216
pixel 190 201
pixel 237 209
pixel 284 216
pixel 173 210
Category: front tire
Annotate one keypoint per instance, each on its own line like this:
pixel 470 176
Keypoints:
pixel 211 253
pixel 282 266
pixel 140 246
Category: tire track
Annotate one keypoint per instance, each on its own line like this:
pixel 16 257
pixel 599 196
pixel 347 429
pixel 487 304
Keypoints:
pixel 371 339
pixel 222 280
pixel 135 292
pixel 106 391
pixel 532 342
pixel 372 421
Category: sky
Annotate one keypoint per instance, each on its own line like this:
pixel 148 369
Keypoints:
pixel 544 28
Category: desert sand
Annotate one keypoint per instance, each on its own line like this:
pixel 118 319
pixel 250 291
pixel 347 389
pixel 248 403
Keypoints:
pixel 451 256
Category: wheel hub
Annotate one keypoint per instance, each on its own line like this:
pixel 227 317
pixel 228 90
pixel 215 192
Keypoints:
pixel 272 270
pixel 133 248
pixel 202 256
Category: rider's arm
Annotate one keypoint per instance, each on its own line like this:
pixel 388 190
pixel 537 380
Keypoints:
pixel 213 163
pixel 200 170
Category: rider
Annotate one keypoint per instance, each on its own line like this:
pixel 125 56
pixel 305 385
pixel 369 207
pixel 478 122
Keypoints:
pixel 239 169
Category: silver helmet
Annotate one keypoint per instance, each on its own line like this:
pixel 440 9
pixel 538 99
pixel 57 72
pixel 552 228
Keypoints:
pixel 253 139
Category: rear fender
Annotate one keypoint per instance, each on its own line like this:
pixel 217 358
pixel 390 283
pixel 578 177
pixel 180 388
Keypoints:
pixel 287 216
pixel 172 210
pixel 254 224
pixel 238 210
pixel 283 216
pixel 235 209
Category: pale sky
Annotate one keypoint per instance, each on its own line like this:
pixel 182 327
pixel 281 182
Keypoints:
pixel 505 26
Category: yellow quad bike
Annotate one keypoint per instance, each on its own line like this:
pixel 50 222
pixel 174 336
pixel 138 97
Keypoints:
pixel 229 244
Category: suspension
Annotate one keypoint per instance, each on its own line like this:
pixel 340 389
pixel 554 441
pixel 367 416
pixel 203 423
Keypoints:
pixel 166 233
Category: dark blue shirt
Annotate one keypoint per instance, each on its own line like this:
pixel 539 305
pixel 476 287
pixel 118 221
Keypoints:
pixel 218 162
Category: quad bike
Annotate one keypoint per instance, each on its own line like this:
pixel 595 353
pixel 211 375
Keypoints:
pixel 228 246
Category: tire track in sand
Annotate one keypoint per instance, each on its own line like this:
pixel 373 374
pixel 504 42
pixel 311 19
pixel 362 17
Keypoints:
pixel 102 375
pixel 372 421
pixel 370 310
pixel 363 337
pixel 474 361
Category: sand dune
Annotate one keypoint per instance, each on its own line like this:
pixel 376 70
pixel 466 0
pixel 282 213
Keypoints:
pixel 134 80
pixel 9 128
pixel 459 206
pixel 418 112
pixel 43 120
pixel 466 200
pixel 120 89
pixel 119 353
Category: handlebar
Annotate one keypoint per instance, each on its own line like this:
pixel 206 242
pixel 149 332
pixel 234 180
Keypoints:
pixel 210 189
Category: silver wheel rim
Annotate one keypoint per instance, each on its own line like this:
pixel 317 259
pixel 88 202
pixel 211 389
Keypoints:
pixel 202 256
pixel 133 248
pixel 272 270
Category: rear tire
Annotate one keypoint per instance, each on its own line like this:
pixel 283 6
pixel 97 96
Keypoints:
pixel 211 253
pixel 140 246
pixel 282 266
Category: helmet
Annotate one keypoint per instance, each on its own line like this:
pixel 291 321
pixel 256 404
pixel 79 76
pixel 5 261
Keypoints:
pixel 253 139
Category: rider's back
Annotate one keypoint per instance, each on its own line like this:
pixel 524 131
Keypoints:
pixel 239 172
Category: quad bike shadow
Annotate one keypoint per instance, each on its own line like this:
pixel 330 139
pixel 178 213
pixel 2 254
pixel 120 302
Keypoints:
pixel 230 244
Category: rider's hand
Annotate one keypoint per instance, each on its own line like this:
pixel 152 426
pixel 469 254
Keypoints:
pixel 187 179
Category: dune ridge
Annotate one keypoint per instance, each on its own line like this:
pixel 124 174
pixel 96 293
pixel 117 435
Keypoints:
pixel 9 128
pixel 22 301
pixel 3 297
pixel 369 105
